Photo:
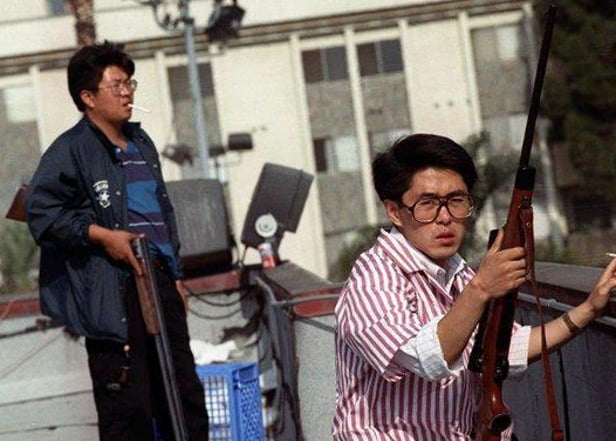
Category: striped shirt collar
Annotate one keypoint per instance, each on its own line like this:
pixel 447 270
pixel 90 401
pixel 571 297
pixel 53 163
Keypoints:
pixel 413 260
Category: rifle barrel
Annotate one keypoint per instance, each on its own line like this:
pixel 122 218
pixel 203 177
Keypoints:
pixel 533 110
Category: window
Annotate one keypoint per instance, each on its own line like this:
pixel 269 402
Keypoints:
pixel 503 81
pixel 178 75
pixel 327 64
pixel 183 117
pixel 58 7
pixel 19 104
pixel 379 57
pixel 506 131
pixel 339 154
pixel 320 154
pixel 381 141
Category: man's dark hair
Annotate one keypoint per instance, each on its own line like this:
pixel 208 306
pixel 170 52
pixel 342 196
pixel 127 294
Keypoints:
pixel 85 69
pixel 393 169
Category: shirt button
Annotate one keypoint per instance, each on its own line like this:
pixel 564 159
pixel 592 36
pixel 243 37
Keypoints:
pixel 155 166
pixel 116 225
pixel 165 195
pixel 123 319
pixel 118 192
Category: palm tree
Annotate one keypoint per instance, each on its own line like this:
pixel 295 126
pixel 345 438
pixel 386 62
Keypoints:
pixel 85 27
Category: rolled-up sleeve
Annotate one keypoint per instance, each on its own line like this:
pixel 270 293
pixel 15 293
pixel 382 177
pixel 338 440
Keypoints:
pixel 518 351
pixel 423 355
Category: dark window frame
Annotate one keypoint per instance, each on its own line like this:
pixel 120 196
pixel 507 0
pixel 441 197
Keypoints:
pixel 380 57
pixel 325 59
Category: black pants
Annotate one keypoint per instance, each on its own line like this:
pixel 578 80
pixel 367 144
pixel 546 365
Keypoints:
pixel 128 388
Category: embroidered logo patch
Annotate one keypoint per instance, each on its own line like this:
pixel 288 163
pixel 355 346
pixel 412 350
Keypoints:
pixel 102 191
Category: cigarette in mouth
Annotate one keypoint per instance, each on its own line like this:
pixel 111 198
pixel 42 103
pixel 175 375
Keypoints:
pixel 611 254
pixel 136 107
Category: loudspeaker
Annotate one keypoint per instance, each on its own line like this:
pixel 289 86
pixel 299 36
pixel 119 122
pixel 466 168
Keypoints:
pixel 203 225
pixel 282 192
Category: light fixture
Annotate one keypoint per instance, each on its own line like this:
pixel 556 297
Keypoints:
pixel 179 153
pixel 224 22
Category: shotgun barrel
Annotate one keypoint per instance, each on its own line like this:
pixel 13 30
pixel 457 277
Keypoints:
pixel 153 316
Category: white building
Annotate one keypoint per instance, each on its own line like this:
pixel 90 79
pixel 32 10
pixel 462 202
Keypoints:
pixel 319 84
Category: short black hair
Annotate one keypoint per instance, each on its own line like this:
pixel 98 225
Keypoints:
pixel 393 169
pixel 86 66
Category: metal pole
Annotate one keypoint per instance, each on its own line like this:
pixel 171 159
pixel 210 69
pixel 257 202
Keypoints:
pixel 195 88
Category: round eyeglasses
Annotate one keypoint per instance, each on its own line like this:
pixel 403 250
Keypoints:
pixel 116 89
pixel 426 210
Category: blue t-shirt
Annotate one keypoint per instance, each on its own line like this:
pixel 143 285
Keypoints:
pixel 144 212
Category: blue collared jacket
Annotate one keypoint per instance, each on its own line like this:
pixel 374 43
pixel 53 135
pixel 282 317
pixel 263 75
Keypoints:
pixel 79 182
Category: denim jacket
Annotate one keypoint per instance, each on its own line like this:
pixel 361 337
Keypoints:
pixel 80 182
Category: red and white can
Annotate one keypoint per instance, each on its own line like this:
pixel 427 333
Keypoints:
pixel 268 259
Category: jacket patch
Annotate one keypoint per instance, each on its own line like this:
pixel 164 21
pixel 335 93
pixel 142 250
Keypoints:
pixel 102 193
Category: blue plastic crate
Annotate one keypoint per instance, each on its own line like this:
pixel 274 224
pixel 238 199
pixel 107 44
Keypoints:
pixel 233 401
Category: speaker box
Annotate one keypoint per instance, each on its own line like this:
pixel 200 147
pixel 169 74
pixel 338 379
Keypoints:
pixel 280 191
pixel 203 225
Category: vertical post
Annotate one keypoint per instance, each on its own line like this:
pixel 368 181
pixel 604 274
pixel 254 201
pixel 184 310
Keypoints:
pixel 361 128
pixel 195 88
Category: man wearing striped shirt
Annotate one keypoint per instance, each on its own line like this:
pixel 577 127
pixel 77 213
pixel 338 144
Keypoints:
pixel 406 315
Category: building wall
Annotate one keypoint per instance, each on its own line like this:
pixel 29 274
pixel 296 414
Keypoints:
pixel 126 20
pixel 439 97
pixel 260 88
pixel 257 93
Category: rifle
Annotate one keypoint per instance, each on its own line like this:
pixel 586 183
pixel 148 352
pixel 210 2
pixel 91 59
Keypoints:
pixel 17 210
pixel 490 351
pixel 152 312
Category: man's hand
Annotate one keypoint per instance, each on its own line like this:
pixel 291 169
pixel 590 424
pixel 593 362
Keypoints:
pixel 603 290
pixel 117 245
pixel 183 292
pixel 500 271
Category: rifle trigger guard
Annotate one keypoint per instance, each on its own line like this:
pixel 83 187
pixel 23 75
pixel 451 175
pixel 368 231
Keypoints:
pixel 502 370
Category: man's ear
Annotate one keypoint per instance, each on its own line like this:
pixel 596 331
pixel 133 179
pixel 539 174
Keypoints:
pixel 393 212
pixel 87 96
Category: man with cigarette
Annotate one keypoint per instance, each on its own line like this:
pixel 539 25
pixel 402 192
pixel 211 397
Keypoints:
pixel 97 187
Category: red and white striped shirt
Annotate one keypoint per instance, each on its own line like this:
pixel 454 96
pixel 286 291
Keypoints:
pixel 392 380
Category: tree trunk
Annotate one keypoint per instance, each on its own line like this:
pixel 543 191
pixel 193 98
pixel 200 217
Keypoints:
pixel 85 28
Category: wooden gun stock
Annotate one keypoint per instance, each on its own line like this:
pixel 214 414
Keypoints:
pixel 17 210
pixel 147 289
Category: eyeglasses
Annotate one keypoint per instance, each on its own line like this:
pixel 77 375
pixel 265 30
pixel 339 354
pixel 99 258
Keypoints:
pixel 426 210
pixel 116 89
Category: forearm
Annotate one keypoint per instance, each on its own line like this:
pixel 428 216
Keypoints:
pixel 98 234
pixel 557 331
pixel 67 231
pixel 456 327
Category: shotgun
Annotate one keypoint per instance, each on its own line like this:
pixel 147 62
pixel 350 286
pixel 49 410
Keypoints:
pixel 153 316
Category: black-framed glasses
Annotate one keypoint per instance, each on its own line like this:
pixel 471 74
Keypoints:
pixel 116 89
pixel 426 209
